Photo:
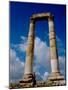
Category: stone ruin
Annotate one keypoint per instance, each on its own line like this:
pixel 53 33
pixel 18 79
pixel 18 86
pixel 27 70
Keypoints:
pixel 55 76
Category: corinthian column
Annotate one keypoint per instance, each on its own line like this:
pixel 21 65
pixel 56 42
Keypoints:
pixel 29 76
pixel 55 74
pixel 53 48
pixel 30 50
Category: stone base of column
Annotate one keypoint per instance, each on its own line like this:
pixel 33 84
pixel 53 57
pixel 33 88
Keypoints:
pixel 28 80
pixel 57 79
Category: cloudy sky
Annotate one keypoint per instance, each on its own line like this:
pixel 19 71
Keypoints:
pixel 19 27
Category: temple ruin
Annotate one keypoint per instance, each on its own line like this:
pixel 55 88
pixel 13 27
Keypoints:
pixel 29 76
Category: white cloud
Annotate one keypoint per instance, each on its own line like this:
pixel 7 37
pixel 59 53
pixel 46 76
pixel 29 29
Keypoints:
pixel 61 59
pixel 38 76
pixel 16 67
pixel 42 55
pixel 37 73
pixel 45 76
pixel 41 58
pixel 21 47
pixel 42 51
pixel 60 46
pixel 62 64
pixel 23 38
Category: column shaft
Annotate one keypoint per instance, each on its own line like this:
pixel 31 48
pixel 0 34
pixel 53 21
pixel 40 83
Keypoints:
pixel 53 48
pixel 30 49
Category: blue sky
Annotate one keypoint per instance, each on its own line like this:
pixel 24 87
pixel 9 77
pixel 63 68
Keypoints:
pixel 20 13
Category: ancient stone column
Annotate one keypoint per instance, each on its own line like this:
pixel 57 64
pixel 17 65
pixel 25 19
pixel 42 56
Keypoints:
pixel 30 50
pixel 29 76
pixel 29 79
pixel 53 48
pixel 55 73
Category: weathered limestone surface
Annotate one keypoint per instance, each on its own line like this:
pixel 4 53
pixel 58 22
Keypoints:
pixel 55 76
pixel 28 81
pixel 29 77
pixel 53 48
pixel 41 16
pixel 30 49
